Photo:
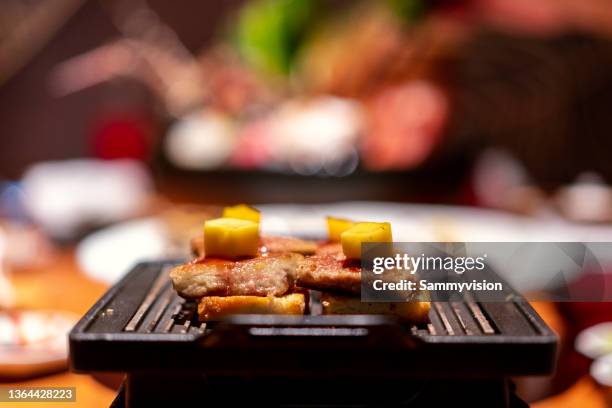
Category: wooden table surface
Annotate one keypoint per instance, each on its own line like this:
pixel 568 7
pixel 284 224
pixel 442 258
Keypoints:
pixel 58 284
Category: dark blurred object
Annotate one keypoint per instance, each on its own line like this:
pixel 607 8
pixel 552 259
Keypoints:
pixel 221 187
pixel 545 100
pixel 529 77
pixel 27 26
pixel 36 124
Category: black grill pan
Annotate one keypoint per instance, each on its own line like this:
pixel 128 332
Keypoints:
pixel 141 325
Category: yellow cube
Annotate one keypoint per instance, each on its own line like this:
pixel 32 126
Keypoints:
pixel 230 238
pixel 242 212
pixel 336 226
pixel 362 232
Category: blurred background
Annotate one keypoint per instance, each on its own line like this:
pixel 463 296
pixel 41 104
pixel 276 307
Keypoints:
pixel 125 124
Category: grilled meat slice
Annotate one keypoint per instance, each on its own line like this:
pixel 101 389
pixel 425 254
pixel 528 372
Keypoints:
pixel 329 269
pixel 265 275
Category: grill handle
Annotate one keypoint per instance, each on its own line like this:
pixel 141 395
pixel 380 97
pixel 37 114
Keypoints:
pixel 309 331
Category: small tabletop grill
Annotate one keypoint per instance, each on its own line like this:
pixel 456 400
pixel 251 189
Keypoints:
pixel 464 355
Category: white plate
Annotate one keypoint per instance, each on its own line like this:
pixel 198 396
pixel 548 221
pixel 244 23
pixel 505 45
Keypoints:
pixel 424 223
pixel 107 254
pixel 47 349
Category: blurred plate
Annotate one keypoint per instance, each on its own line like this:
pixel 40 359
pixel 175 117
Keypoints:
pixel 107 254
pixel 33 342
pixel 427 223
pixel 601 370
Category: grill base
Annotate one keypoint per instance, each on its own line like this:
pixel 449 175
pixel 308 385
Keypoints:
pixel 465 354
pixel 140 390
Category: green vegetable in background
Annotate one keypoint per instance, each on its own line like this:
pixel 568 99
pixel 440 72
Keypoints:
pixel 269 32
pixel 408 10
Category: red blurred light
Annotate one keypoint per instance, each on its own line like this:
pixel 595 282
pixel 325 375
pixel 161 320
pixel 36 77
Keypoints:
pixel 122 136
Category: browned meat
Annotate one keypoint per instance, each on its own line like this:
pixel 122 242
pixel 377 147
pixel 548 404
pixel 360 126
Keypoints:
pixel 328 269
pixel 265 275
